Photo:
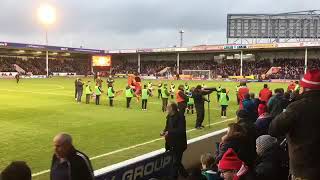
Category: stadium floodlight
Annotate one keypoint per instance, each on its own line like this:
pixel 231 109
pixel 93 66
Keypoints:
pixel 47 16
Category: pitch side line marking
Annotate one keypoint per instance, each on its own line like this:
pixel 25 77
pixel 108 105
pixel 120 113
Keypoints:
pixel 131 147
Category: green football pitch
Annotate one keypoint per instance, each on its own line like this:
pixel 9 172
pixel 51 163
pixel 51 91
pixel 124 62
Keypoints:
pixel 35 110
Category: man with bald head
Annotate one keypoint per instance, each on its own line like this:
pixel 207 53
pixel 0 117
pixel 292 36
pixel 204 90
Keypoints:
pixel 67 162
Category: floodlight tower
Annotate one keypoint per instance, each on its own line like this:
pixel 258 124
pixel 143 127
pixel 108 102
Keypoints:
pixel 181 37
pixel 47 16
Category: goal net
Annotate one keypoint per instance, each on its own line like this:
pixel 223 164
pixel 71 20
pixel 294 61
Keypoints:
pixel 198 74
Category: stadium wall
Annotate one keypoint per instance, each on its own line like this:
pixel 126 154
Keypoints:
pixel 158 163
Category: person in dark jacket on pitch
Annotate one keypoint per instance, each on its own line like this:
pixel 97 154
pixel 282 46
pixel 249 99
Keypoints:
pixel 181 99
pixel 67 162
pixel 268 164
pixel 75 89
pixel 199 100
pixel 236 138
pixel 300 123
pixel 16 170
pixel 79 90
pixel 176 138
pixel 233 168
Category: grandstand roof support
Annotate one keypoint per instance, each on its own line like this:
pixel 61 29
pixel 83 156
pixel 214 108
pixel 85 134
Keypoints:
pixel 47 54
pixel 241 62
pixel 139 63
pixel 178 63
pixel 305 60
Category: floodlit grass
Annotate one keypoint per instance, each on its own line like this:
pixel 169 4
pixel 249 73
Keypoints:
pixel 35 110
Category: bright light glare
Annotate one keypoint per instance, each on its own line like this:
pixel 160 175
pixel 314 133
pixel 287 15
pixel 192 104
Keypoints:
pixel 47 14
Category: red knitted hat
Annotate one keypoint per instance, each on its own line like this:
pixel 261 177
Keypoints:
pixel 311 80
pixel 230 161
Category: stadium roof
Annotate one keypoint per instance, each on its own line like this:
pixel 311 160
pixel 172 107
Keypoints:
pixel 20 49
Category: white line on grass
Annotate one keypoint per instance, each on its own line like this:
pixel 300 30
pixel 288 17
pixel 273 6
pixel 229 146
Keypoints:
pixel 131 147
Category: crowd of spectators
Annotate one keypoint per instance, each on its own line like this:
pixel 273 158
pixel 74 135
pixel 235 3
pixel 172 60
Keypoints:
pixel 37 66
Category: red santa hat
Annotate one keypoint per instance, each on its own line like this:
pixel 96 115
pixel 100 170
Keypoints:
pixel 311 80
pixel 230 161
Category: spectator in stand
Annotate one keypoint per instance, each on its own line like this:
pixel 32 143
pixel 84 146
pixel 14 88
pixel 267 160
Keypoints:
pixel 16 170
pixel 233 168
pixel 256 102
pixel 277 103
pixel 265 94
pixel 262 108
pixel 249 107
pixel 237 139
pixel 300 125
pixel 262 123
pixel 243 90
pixel 268 164
pixel 176 139
pixel 209 168
pixel 67 162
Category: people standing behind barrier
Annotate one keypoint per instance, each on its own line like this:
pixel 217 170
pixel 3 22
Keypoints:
pixel 237 139
pixel 88 92
pixel 209 168
pixel 249 107
pixel 224 102
pixel 181 99
pixel 68 163
pixel 233 168
pixel 268 163
pixel 110 94
pixel 98 91
pixel 277 103
pixel 243 90
pixel 164 97
pixel 79 90
pixel 300 123
pixel 176 139
pixel 198 96
pixel 159 90
pixel 16 170
pixel 145 96
pixel 75 89
pixel 265 94
pixel 218 93
pixel 129 95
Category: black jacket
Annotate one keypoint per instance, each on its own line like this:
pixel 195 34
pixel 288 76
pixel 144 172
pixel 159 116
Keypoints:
pixel 177 137
pixel 276 104
pixel 241 146
pixel 301 124
pixel 268 165
pixel 198 94
pixel 78 165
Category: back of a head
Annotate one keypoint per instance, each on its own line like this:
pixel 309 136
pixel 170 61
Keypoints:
pixel 252 95
pixel 17 170
pixel 180 87
pixel 208 160
pixel 265 86
pixel 223 90
pixel 247 96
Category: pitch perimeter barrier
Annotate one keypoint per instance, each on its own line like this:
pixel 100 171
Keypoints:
pixel 158 163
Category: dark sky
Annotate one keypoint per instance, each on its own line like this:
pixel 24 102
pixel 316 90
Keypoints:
pixel 113 24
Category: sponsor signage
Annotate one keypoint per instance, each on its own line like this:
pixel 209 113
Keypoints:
pixel 230 47
pixel 261 46
pixel 309 44
pixel 153 167
pixel 144 50
pixel 289 45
